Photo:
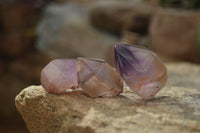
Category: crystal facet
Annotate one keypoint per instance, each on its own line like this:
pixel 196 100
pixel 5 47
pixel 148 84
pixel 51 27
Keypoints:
pixel 141 69
pixel 59 75
pixel 97 78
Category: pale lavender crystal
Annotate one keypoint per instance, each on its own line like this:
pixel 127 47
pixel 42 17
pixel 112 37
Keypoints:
pixel 141 69
pixel 97 78
pixel 59 75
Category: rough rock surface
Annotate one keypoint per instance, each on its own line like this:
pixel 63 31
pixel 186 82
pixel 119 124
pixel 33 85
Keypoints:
pixel 184 74
pixel 174 109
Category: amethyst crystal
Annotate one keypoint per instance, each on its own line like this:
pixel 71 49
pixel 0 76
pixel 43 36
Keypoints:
pixel 59 75
pixel 97 78
pixel 141 69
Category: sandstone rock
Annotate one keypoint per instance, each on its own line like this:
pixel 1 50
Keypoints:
pixel 64 31
pixel 174 33
pixel 184 74
pixel 174 109
pixel 121 15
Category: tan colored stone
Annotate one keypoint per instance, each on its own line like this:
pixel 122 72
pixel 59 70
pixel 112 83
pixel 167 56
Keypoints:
pixel 174 33
pixel 184 74
pixel 121 15
pixel 175 109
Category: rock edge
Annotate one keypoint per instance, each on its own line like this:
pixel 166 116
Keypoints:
pixel 174 109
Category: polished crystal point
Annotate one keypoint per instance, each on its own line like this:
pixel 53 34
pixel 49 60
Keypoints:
pixel 141 69
pixel 59 75
pixel 97 78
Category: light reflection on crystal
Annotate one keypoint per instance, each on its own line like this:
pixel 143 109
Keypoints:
pixel 59 75
pixel 97 78
pixel 141 69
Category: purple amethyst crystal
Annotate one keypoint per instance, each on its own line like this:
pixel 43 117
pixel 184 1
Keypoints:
pixel 141 69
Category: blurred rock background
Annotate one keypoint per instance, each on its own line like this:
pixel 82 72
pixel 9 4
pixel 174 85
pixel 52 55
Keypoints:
pixel 34 32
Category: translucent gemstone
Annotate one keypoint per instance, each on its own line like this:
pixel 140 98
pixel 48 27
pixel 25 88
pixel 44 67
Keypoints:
pixel 59 75
pixel 97 78
pixel 141 69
